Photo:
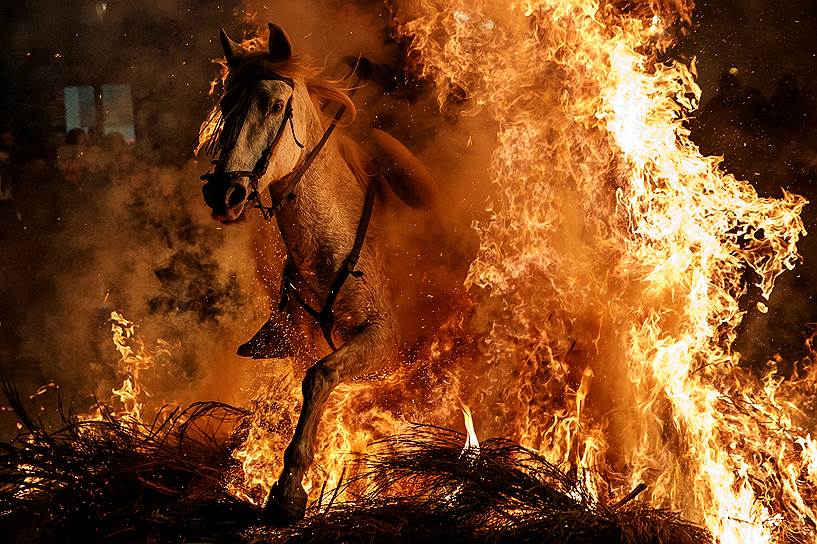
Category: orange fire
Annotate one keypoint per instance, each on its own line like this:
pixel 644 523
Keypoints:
pixel 620 255
pixel 612 271
pixel 127 401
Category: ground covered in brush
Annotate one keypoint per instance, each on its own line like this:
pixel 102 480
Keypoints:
pixel 109 481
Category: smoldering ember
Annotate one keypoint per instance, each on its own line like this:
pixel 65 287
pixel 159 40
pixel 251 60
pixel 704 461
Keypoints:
pixel 408 271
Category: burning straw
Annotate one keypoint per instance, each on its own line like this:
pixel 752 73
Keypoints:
pixel 119 480
pixel 423 486
pixel 112 480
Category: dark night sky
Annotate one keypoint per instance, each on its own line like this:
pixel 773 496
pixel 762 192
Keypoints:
pixel 764 39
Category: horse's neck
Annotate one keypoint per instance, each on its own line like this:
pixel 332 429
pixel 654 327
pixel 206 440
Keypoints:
pixel 319 226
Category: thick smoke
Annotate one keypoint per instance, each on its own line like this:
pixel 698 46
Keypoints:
pixel 104 226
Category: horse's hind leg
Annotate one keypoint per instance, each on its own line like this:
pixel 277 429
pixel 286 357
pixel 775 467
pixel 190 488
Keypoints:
pixel 363 353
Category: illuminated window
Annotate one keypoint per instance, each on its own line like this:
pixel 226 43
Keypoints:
pixel 80 110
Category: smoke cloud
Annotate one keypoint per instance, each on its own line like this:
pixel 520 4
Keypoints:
pixel 133 234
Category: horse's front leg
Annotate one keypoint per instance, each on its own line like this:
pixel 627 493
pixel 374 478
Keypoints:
pixel 288 332
pixel 274 340
pixel 371 345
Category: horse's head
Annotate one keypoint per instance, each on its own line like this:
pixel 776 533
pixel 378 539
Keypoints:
pixel 265 111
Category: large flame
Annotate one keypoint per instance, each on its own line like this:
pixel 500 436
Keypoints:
pixel 613 274
pixel 621 256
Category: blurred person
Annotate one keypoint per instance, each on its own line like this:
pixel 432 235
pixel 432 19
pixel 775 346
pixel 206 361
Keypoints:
pixel 118 153
pixel 8 174
pixel 8 147
pixel 76 136
pixel 73 159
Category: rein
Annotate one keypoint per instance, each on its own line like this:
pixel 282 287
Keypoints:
pixel 325 316
pixel 294 178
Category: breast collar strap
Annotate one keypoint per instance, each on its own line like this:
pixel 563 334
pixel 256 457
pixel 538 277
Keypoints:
pixel 290 182
pixel 325 316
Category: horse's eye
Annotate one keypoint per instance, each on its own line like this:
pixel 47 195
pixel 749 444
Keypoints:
pixel 278 106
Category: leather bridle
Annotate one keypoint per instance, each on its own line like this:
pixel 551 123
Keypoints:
pixel 324 316
pixel 221 176
pixel 290 182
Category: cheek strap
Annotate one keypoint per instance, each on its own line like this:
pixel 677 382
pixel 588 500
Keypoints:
pixel 218 175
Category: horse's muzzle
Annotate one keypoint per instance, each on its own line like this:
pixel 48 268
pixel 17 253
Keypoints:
pixel 227 200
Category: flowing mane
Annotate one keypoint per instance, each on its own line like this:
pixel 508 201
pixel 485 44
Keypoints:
pixel 258 66
pixel 222 127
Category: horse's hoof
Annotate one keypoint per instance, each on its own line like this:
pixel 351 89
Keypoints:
pixel 284 509
pixel 253 350
pixel 265 344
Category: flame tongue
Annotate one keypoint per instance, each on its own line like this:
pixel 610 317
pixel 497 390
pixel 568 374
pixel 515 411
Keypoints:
pixel 620 253
pixel 127 402
pixel 471 440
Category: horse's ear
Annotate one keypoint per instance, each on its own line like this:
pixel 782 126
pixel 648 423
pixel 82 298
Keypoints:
pixel 279 45
pixel 231 49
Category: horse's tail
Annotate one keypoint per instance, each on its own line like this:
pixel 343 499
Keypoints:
pixel 410 179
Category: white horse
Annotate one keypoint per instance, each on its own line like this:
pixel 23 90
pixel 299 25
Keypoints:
pixel 274 137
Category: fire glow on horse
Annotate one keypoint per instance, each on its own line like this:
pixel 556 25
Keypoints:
pixel 335 281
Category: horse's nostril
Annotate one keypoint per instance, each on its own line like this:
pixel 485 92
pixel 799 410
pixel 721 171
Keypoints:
pixel 207 191
pixel 236 194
